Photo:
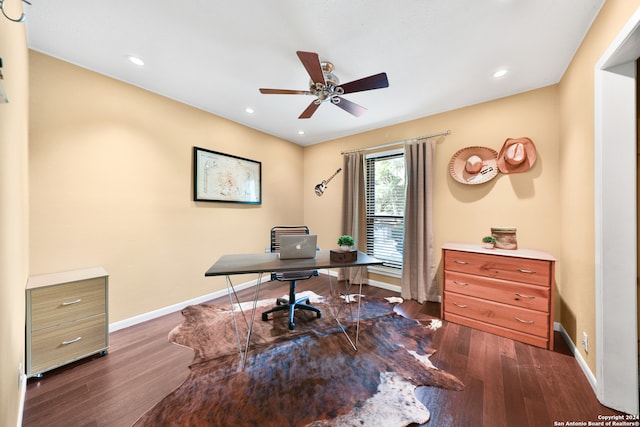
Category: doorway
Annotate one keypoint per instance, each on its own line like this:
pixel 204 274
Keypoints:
pixel 616 244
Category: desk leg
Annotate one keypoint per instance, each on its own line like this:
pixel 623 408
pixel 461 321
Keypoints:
pixel 248 323
pixel 336 312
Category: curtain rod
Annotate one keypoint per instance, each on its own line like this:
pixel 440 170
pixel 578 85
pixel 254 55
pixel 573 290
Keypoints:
pixel 391 144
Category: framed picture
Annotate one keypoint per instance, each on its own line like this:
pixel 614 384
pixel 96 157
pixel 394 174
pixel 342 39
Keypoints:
pixel 219 177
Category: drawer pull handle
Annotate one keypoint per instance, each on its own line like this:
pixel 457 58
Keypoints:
pixel 518 294
pixel 522 270
pixel 460 305
pixel 460 283
pixel 460 262
pixel 72 302
pixel 71 341
pixel 528 322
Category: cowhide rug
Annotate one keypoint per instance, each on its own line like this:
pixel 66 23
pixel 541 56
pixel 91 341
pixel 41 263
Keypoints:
pixel 307 377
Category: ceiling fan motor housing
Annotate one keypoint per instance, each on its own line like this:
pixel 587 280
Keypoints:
pixel 328 89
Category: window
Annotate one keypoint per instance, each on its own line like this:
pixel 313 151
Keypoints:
pixel 385 201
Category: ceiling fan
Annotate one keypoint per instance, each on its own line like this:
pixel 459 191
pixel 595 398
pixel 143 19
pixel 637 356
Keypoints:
pixel 326 86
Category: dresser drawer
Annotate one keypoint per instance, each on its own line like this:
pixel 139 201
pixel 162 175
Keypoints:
pixel 54 305
pixel 57 346
pixel 517 269
pixel 513 293
pixel 499 330
pixel 515 318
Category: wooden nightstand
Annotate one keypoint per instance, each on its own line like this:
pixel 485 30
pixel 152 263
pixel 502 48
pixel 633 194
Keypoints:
pixel 67 318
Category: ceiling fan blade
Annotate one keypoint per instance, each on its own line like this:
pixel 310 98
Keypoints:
pixel 377 81
pixel 306 114
pixel 284 92
pixel 311 63
pixel 350 107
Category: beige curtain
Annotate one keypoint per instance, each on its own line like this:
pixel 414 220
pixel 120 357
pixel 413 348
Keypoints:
pixel 419 270
pixel 352 205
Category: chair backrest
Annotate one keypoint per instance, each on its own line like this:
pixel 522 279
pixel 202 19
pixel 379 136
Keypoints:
pixel 280 230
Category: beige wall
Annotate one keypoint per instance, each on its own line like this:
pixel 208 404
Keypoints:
pixel 577 282
pixel 111 185
pixel 552 205
pixel 110 170
pixel 464 213
pixel 13 213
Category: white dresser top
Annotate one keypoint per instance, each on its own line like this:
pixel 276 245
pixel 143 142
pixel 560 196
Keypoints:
pixel 41 280
pixel 518 253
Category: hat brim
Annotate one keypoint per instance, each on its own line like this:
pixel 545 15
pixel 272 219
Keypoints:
pixel 530 156
pixel 489 169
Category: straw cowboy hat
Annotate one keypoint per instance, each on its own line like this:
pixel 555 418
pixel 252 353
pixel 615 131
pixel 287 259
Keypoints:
pixel 517 155
pixel 474 165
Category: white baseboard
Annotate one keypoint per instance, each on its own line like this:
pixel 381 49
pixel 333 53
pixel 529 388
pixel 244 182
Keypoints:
pixel 116 326
pixel 223 292
pixel 23 396
pixel 383 285
pixel 576 353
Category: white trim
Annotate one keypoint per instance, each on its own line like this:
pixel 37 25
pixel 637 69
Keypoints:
pixel 375 283
pixel 385 271
pixel 391 152
pixel 394 288
pixel 384 285
pixel 576 354
pixel 23 396
pixel 116 326
pixel 615 215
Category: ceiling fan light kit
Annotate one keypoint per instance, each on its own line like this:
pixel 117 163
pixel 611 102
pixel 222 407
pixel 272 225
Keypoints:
pixel 325 86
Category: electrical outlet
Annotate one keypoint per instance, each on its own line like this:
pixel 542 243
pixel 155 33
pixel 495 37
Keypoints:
pixel 585 342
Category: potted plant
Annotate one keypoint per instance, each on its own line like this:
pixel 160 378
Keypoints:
pixel 346 242
pixel 488 242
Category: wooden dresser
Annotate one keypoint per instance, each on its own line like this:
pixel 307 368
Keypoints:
pixel 67 318
pixel 504 292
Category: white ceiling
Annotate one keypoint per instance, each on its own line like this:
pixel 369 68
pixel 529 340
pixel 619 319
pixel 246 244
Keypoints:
pixel 439 55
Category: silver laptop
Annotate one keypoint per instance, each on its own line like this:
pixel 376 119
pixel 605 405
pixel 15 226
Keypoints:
pixel 298 246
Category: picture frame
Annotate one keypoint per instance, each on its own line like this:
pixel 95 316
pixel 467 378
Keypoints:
pixel 220 177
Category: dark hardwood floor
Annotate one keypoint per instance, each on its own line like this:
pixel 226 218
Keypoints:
pixel 507 383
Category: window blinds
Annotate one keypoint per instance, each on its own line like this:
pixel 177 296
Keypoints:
pixel 385 202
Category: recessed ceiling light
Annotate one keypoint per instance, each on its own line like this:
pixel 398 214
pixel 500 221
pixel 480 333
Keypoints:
pixel 249 110
pixel 500 73
pixel 135 60
pixel 300 132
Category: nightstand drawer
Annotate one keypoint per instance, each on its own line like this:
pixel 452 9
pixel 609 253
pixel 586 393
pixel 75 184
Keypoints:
pixel 513 293
pixel 515 318
pixel 517 269
pixel 57 346
pixel 54 305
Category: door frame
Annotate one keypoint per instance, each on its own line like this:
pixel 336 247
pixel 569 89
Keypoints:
pixel 616 220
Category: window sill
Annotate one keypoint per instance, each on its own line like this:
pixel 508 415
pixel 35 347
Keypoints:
pixel 386 271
